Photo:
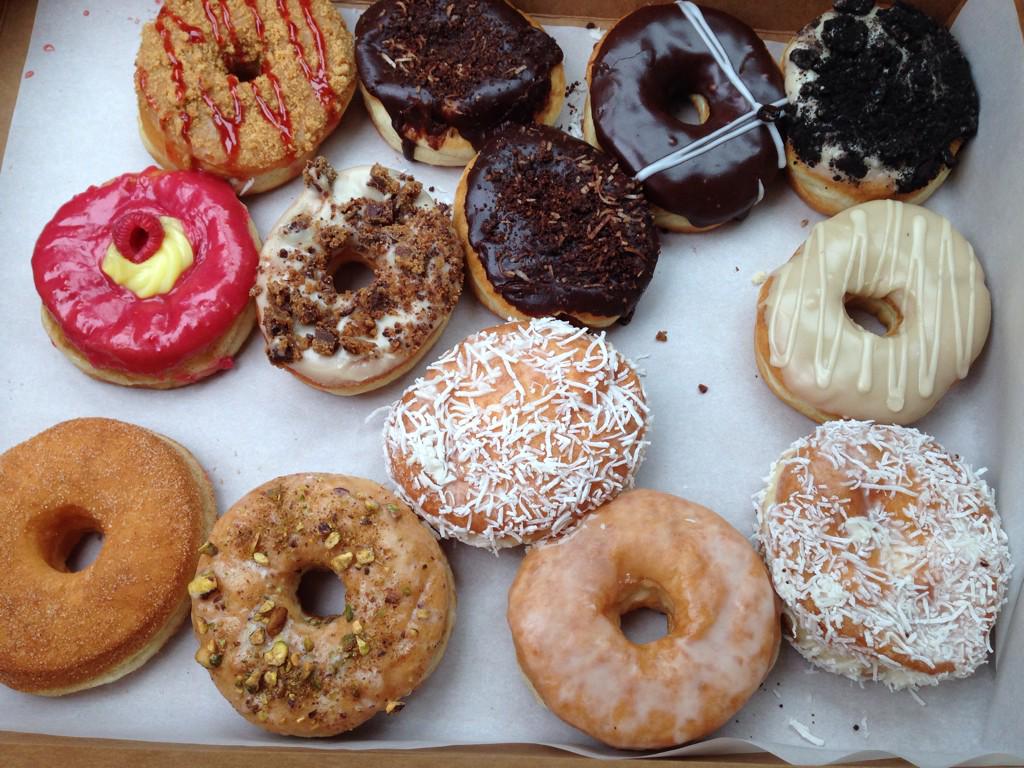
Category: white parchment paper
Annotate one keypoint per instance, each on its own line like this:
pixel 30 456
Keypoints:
pixel 75 125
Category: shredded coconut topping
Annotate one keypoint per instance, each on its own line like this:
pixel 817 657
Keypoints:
pixel 887 551
pixel 518 432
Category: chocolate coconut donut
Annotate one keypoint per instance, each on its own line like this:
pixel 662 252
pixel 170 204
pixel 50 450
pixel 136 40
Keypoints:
pixel 438 76
pixel 882 98
pixel 551 226
pixel 660 56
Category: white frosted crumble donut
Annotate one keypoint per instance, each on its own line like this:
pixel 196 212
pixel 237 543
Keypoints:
pixel 344 341
pixel 302 675
pixel 517 432
pixel 887 551
pixel 902 263
pixel 645 550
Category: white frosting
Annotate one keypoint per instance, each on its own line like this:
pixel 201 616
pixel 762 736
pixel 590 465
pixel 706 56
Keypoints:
pixel 888 554
pixel 878 250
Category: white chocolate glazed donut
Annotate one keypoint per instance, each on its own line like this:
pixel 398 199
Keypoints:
pixel 344 341
pixel 901 262
pixel 888 554
pixel 645 550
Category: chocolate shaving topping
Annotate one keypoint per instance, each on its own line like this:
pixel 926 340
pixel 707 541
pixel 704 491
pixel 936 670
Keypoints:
pixel 471 65
pixel 558 227
pixel 891 88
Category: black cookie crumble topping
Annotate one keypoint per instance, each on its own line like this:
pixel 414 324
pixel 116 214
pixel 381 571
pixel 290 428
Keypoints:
pixel 891 85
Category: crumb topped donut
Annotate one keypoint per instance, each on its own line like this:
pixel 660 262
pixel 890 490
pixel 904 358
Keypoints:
pixel 63 631
pixel 246 91
pixel 882 100
pixel 551 226
pixel 438 76
pixel 344 341
pixel 302 675
pixel 517 433
pixel 887 551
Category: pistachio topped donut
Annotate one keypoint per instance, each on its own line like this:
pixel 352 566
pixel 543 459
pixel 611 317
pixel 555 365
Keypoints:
pixel 344 341
pixel 303 675
pixel 438 76
pixel 246 91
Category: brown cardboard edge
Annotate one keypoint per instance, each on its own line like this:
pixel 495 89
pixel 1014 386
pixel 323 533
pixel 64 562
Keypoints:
pixel 24 750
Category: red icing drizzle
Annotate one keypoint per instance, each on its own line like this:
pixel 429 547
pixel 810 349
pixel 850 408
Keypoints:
pixel 107 323
pixel 225 19
pixel 278 118
pixel 317 80
pixel 195 35
pixel 257 20
pixel 227 128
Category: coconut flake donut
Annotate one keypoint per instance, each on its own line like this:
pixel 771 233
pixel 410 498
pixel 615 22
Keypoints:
pixel 645 550
pixel 438 76
pixel 303 675
pixel 246 91
pixel 61 631
pixel 887 551
pixel 145 280
pixel 882 101
pixel 517 433
pixel 908 267
pixel 343 341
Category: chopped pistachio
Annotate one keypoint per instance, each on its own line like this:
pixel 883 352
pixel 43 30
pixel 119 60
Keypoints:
pixel 357 627
pixel 362 645
pixel 201 625
pixel 278 653
pixel 332 540
pixel 406 591
pixel 349 613
pixel 307 644
pixel 422 613
pixel 413 631
pixel 295 659
pixel 393 706
pixel 208 659
pixel 348 642
pixel 265 606
pixel 203 584
pixel 364 556
pixel 342 561
pixel 208 548
pixel 307 670
pixel 260 558
pixel 252 682
pixel 259 637
pixel 270 678
pixel 262 716
pixel 371 505
pixel 393 510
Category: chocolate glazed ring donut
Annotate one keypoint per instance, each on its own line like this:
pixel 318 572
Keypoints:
pixel 644 66
pixel 438 76
pixel 551 226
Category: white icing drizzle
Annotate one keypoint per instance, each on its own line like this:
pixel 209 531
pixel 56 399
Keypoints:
pixel 522 425
pixel 883 249
pixel 862 583
pixel 741 125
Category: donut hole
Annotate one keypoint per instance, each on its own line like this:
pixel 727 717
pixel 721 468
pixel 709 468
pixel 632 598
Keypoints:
pixel 643 613
pixel 321 594
pixel 70 540
pixel 644 625
pixel 349 272
pixel 882 317
pixel 689 108
pixel 84 552
pixel 246 70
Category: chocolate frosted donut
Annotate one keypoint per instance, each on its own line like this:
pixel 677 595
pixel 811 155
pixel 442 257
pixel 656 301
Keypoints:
pixel 439 75
pixel 883 99
pixel 649 63
pixel 551 226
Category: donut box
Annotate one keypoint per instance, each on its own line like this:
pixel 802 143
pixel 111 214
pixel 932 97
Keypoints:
pixel 716 428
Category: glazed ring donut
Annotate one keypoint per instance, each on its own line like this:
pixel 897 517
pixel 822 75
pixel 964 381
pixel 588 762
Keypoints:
pixel 645 550
pixel 304 675
pixel 438 76
pixel 60 631
pixel 882 100
pixel 888 554
pixel 342 341
pixel 551 226
pixel 910 268
pixel 145 280
pixel 649 62
pixel 517 433
pixel 246 92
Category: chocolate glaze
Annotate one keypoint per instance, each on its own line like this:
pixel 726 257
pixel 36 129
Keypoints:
pixel 651 61
pixel 471 65
pixel 558 227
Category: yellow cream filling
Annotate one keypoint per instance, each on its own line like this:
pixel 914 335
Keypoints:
pixel 157 274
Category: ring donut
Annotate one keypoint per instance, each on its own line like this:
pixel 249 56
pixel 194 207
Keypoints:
pixel 343 341
pixel 244 91
pixel 60 631
pixel 303 675
pixel 145 280
pixel 645 550
pixel 908 267
pixel 649 62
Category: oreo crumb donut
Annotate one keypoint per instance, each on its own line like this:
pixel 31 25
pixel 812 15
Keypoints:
pixel 344 341
pixel 244 91
pixel 551 226
pixel 438 76
pixel 882 99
